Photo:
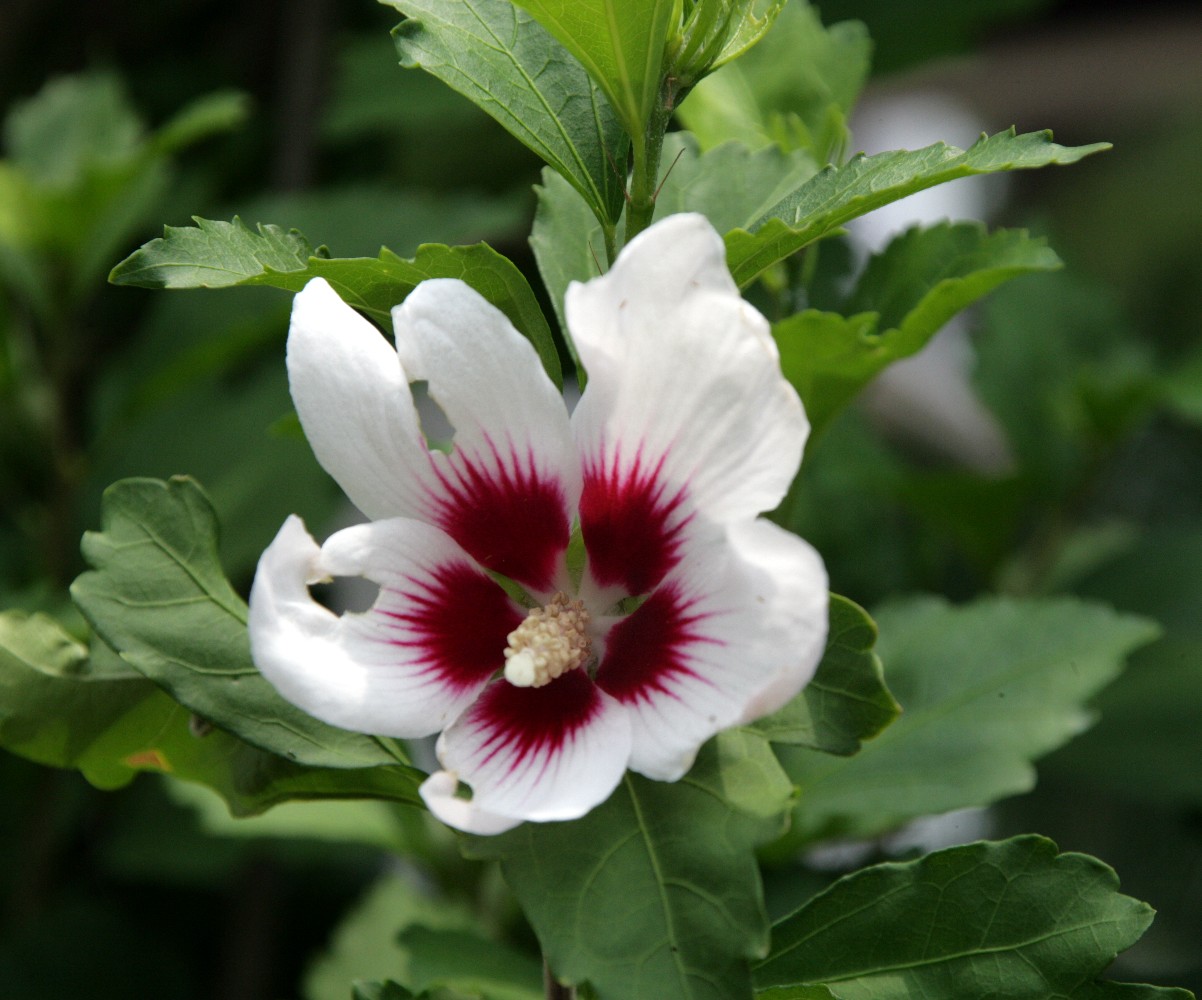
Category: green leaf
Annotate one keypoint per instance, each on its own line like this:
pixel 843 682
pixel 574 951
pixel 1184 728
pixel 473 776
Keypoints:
pixel 205 116
pixel 468 963
pixel 795 90
pixel 847 701
pixel 839 194
pixel 366 945
pixel 621 44
pixel 56 708
pixel 1011 919
pixel 655 893
pixel 73 125
pixel 228 254
pixel 381 991
pixel 66 706
pixel 985 689
pixel 157 595
pixel 1152 711
pixel 905 295
pixel 507 64
pixel 731 185
pixel 567 241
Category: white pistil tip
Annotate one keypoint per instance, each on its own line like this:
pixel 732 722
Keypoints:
pixel 550 642
pixel 520 669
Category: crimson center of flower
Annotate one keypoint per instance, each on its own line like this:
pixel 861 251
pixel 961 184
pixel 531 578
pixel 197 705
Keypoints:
pixel 551 641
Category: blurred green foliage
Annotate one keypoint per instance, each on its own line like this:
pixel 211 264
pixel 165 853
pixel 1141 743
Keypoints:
pixel 1094 373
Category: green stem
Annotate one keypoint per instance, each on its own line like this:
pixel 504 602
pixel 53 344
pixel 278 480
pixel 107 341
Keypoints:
pixel 644 181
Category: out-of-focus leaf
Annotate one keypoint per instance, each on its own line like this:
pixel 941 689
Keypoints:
pixel 904 297
pixel 366 946
pixel 656 892
pixel 74 124
pixel 157 595
pixel 207 115
pixel 847 701
pixel 795 89
pixel 985 689
pixel 839 194
pixel 506 63
pixel 468 963
pixel 1012 919
pixel 228 254
pixel 1146 746
pixel 382 991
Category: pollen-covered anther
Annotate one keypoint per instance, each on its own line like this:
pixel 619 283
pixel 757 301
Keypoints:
pixel 551 641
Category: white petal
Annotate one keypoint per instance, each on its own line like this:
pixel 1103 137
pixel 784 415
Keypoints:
pixel 683 376
pixel 547 753
pixel 355 405
pixel 735 630
pixel 438 791
pixel 408 666
pixel 508 491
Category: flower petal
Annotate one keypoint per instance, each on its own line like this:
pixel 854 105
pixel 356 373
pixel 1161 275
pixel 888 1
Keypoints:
pixel 733 632
pixel 355 406
pixel 683 378
pixel 509 489
pixel 546 753
pixel 408 666
pixel 439 790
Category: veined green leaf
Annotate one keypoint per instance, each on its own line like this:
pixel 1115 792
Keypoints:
pixel 227 254
pixel 847 701
pixel 1011 919
pixel 504 61
pixel 985 689
pixel 655 893
pixel 839 194
pixel 157 595
pixel 68 706
pixel 904 297
pixel 621 44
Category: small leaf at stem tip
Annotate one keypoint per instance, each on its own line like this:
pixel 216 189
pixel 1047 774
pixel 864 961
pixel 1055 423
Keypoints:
pixel 620 43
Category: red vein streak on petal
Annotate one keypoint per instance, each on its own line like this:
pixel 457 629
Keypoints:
pixel 508 515
pixel 631 523
pixel 524 723
pixel 646 650
pixel 459 619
